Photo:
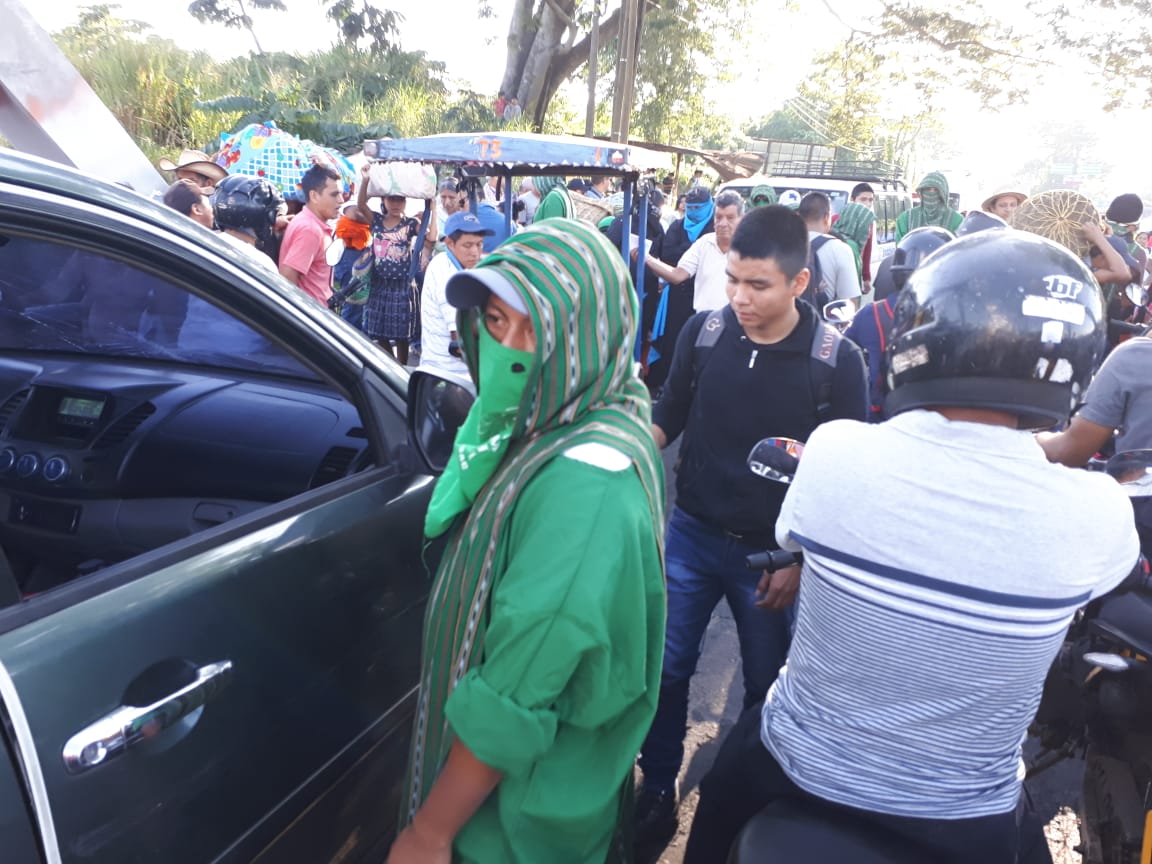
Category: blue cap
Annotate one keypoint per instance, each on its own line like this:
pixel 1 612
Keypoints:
pixel 466 223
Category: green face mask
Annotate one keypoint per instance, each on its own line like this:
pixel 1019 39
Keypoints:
pixel 503 375
pixel 484 438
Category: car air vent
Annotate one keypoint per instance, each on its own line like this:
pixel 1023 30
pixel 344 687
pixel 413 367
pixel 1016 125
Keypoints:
pixel 333 466
pixel 12 407
pixel 122 429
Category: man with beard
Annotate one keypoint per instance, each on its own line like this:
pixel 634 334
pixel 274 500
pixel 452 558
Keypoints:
pixel 933 208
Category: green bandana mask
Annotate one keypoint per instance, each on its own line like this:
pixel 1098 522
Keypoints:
pixel 484 437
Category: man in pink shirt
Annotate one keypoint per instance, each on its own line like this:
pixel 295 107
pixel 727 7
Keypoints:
pixel 302 259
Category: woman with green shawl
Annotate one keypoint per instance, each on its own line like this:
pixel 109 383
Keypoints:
pixel 554 199
pixel 854 227
pixel 933 208
pixel 544 635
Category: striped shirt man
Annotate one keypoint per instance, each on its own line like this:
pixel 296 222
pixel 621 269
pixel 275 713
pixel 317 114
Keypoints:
pixel 940 575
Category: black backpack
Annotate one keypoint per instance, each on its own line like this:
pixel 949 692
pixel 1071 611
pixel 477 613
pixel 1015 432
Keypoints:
pixel 822 358
pixel 816 296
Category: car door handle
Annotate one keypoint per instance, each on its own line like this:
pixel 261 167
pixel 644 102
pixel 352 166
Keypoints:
pixel 114 733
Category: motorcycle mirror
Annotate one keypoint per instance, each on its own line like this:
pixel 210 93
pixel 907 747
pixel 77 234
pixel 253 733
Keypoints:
pixel 839 311
pixel 1137 294
pixel 776 459
pixel 1130 466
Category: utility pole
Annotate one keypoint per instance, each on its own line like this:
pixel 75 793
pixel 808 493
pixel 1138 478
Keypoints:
pixel 626 60
pixel 593 70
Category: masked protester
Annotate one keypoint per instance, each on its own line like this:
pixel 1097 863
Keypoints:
pixel 933 208
pixel 854 227
pixel 545 624
pixel 555 200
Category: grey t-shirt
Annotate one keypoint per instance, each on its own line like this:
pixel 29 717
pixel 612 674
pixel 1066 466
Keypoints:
pixel 928 618
pixel 1120 396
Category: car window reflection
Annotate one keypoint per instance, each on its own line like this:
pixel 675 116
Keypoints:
pixel 57 300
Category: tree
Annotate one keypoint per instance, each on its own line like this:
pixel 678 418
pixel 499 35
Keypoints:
pixel 232 13
pixel 360 21
pixel 680 46
pixel 997 58
pixel 785 125
pixel 549 42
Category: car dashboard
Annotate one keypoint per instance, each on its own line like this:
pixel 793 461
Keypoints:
pixel 100 461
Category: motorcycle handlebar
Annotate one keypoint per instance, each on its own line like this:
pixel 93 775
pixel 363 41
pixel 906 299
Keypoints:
pixel 1127 327
pixel 770 562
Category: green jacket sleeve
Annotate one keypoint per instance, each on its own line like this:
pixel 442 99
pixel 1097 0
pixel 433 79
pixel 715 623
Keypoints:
pixel 901 226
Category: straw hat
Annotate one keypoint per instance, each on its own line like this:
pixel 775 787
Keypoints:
pixel 1057 215
pixel 991 199
pixel 194 160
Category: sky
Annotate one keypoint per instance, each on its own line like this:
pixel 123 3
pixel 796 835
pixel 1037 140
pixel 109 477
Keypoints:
pixel 981 148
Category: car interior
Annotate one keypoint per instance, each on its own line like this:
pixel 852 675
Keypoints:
pixel 134 413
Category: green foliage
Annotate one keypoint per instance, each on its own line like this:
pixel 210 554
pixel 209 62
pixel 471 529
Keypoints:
pixel 168 98
pixel 362 22
pixel 785 125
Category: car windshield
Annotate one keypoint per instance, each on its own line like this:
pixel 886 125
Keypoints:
pixel 61 300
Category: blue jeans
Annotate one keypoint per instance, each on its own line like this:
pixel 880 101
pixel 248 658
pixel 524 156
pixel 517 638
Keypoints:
pixel 704 564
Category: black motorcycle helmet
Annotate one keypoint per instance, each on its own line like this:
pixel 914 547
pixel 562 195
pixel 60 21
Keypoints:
pixel 979 220
pixel 1004 320
pixel 913 248
pixel 247 204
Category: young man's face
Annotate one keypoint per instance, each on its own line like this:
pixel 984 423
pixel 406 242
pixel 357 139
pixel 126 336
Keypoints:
pixel 327 200
pixel 760 293
pixel 466 248
pixel 865 198
pixel 726 219
pixel 1005 206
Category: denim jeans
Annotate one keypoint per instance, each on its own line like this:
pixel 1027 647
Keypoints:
pixel 704 564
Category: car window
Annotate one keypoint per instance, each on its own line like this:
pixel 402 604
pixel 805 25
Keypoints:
pixel 61 300
pixel 135 414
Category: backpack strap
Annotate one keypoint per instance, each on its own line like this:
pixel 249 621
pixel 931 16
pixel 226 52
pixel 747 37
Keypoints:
pixel 706 338
pixel 826 341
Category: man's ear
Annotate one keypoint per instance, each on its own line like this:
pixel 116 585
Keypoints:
pixel 800 283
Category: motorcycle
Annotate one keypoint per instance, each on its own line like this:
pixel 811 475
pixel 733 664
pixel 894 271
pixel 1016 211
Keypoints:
pixel 1098 698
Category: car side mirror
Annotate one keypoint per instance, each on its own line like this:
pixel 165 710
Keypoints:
pixel 438 402
pixel 776 459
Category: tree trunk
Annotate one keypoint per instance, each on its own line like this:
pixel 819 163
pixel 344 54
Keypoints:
pixel 538 61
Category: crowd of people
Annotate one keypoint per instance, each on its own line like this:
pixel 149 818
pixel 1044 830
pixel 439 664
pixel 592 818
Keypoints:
pixel 888 681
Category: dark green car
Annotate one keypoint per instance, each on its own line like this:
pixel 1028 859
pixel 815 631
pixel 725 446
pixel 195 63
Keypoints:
pixel 212 581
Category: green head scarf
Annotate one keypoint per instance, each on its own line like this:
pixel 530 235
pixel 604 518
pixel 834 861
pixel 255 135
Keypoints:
pixel 854 224
pixel 554 199
pixel 762 196
pixel 580 385
pixel 932 210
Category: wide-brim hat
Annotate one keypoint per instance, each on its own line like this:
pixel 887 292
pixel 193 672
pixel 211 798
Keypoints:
pixel 1058 215
pixel 991 199
pixel 194 160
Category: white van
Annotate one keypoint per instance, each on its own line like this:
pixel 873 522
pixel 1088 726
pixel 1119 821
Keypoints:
pixel 892 199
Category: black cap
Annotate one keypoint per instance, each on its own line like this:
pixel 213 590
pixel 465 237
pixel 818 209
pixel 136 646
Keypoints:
pixel 697 195
pixel 577 185
pixel 1126 209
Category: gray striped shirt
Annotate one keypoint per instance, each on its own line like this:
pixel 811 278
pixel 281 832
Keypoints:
pixel 942 568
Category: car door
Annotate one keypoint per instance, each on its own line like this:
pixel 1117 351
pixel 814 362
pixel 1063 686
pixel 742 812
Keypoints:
pixel 244 692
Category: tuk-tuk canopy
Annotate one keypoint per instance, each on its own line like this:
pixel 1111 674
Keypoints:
pixel 520 153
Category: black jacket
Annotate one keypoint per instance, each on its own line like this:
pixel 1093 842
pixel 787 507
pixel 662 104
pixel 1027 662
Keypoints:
pixel 745 392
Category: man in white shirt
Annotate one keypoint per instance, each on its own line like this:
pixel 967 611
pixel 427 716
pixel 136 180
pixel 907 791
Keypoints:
pixel 463 247
pixel 838 279
pixel 707 258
